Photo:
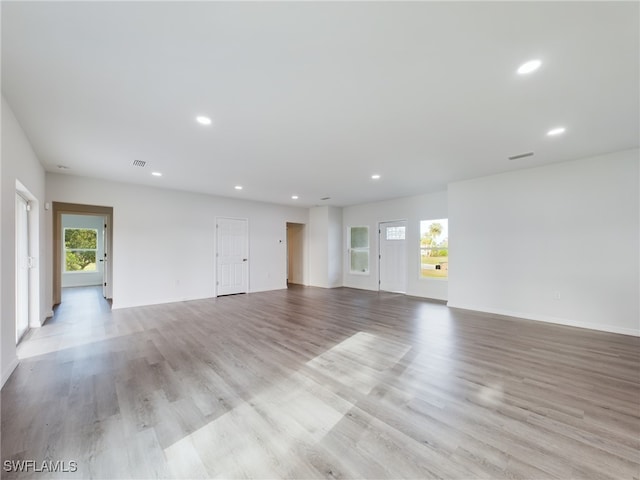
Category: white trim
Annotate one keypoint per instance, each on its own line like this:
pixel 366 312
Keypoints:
pixel 262 290
pixel 548 319
pixel 362 274
pixel 47 316
pixel 7 373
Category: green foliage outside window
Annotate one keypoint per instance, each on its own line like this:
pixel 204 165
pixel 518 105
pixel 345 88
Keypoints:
pixel 434 248
pixel 80 246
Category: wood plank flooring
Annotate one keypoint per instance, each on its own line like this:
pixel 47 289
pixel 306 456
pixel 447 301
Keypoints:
pixel 315 383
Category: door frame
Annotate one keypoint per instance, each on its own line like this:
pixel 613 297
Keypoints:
pixel 301 258
pixel 248 262
pixel 22 292
pixel 60 208
pixel 33 225
pixel 406 225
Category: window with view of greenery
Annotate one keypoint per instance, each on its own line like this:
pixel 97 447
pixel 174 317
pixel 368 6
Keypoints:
pixel 80 248
pixel 359 249
pixel 434 248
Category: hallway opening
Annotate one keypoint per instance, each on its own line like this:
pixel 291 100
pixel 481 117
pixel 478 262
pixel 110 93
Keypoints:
pixel 80 304
pixel 100 263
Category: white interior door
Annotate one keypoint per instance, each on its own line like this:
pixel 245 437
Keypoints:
pixel 232 256
pixel 393 256
pixel 23 263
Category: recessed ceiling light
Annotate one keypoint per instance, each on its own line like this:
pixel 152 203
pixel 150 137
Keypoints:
pixel 294 197
pixel 238 187
pixel 375 177
pixel 156 174
pixel 556 131
pixel 528 67
pixel 203 120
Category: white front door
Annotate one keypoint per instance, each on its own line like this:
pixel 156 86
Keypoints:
pixel 232 256
pixel 393 256
pixel 23 263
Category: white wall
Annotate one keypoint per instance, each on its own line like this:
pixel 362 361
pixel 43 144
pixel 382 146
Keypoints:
pixel 84 279
pixel 19 164
pixel 325 247
pixel 413 209
pixel 334 246
pixel 318 247
pixel 5 370
pixel 520 239
pixel 164 240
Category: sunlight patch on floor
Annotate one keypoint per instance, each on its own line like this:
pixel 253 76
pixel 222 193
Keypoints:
pixel 294 415
pixel 360 360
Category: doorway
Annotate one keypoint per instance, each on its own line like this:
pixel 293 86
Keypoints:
pixel 103 256
pixel 23 264
pixel 83 250
pixel 393 256
pixel 295 253
pixel 232 256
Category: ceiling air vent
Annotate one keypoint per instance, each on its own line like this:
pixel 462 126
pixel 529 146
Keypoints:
pixel 522 155
pixel 139 163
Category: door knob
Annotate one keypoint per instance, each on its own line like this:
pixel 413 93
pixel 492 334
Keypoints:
pixel 244 259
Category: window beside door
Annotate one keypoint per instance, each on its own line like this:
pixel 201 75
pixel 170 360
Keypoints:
pixel 434 248
pixel 80 249
pixel 359 250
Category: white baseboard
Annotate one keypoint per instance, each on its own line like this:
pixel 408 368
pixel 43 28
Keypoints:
pixel 548 319
pixel 366 289
pixel 47 316
pixel 8 371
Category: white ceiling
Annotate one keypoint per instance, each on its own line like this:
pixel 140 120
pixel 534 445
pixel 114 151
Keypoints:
pixel 312 98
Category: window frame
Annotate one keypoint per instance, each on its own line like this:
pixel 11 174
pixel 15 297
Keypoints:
pixel 366 250
pixel 65 250
pixel 423 249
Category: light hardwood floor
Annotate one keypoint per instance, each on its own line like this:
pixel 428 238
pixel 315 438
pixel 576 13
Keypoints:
pixel 315 383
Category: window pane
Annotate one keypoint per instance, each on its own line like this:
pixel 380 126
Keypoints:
pixel 395 233
pixel 360 261
pixel 80 249
pixel 359 237
pixel 80 238
pixel 434 248
pixel 80 261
